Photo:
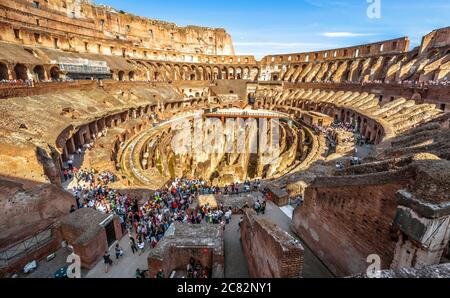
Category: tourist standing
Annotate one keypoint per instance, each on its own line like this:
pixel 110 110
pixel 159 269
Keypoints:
pixel 107 260
pixel 119 251
pixel 228 215
pixel 141 247
pixel 263 207
pixel 133 245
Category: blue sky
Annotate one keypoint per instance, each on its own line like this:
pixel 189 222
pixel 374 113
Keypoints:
pixel 273 27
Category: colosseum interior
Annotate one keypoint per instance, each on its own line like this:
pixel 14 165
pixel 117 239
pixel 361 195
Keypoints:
pixel 297 165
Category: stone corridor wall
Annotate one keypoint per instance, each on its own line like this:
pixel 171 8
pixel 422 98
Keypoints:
pixel 346 219
pixel 270 251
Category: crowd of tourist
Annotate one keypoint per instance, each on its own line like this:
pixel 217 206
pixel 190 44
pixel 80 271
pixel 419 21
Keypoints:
pixel 409 83
pixel 29 82
pixel 196 270
pixel 147 224
pixel 412 83
pixel 16 83
pixel 338 126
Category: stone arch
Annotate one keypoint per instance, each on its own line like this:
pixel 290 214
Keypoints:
pixel 120 75
pixel 21 72
pixel 150 71
pixel 54 73
pixel 254 73
pixel 342 117
pixel 4 72
pixel 39 72
pixel 200 73
pixel 231 73
pixel 358 122
pixel 364 127
pixel 359 71
pixel 238 75
pixel 157 75
pixel 216 73
pixel 417 98
pixel 379 136
pixel 346 74
pixel 143 70
pixel 131 76
pixel 208 73
pixel 170 71
pixel 177 72
pixel 193 74
pixel 224 73
pixel 246 73
pixel 161 73
pixel 184 72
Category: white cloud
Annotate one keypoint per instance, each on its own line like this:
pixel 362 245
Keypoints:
pixel 345 34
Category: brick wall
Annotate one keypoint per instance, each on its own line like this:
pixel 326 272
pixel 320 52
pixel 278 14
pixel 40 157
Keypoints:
pixel 177 258
pixel 344 220
pixel 270 251
pixel 92 251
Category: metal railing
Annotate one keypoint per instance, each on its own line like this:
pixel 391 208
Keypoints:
pixel 26 246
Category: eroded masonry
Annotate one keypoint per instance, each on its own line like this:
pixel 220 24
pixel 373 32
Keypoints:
pixel 363 148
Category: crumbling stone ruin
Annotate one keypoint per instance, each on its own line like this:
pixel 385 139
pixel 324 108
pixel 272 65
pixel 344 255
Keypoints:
pixel 271 252
pixel 203 242
pixel 76 75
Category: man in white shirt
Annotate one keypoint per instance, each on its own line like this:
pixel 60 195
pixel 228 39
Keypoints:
pixel 228 215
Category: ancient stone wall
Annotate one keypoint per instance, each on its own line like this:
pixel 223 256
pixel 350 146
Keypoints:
pixel 387 92
pixel 177 258
pixel 270 251
pixel 84 230
pixel 436 38
pixel 28 207
pixel 374 122
pixel 346 219
pixel 374 64
pixel 90 251
pixel 74 23
pixel 399 45
pixel 202 242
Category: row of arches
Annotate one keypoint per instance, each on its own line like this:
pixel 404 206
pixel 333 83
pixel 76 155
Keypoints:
pixel 121 75
pixel 353 70
pixel 367 127
pixel 385 68
pixel 22 72
pixel 149 71
pixel 85 133
pixel 156 71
